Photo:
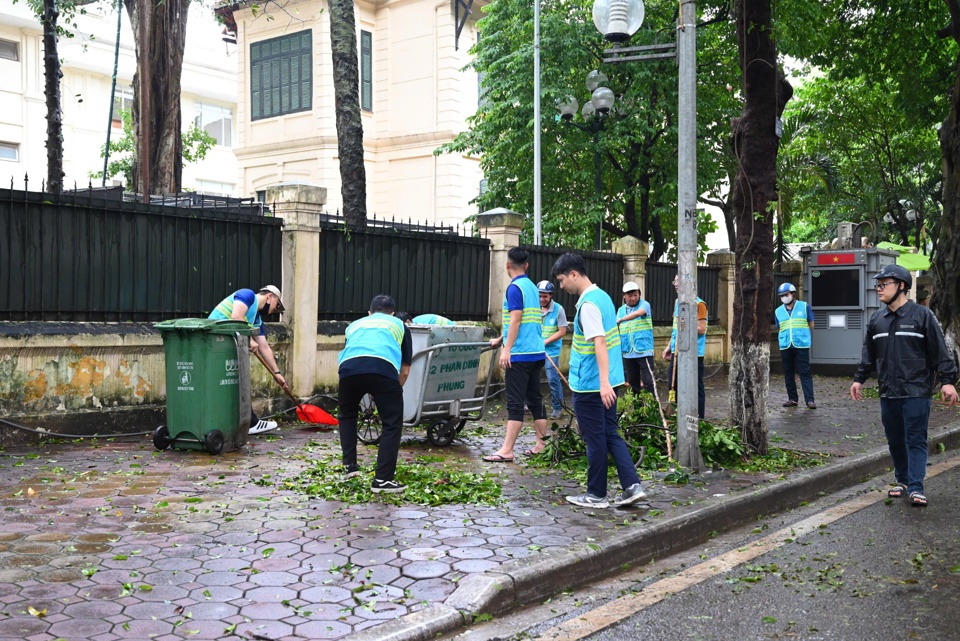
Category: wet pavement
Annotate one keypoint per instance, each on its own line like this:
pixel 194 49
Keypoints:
pixel 114 540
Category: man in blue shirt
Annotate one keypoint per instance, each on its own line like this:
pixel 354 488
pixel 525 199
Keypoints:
pixel 794 325
pixel 635 320
pixel 522 356
pixel 375 361
pixel 596 370
pixel 245 305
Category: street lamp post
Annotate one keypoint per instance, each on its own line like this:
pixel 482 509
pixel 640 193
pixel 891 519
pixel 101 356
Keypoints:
pixel 595 113
pixel 618 20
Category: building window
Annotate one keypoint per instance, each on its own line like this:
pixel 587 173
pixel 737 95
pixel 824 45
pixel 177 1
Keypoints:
pixel 366 71
pixel 122 101
pixel 9 151
pixel 9 50
pixel 214 188
pixel 483 101
pixel 216 121
pixel 281 79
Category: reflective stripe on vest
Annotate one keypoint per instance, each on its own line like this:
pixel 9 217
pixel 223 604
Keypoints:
pixel 225 310
pixel 636 335
pixel 550 328
pixel 530 336
pixel 701 340
pixel 794 326
pixel 584 373
pixel 376 336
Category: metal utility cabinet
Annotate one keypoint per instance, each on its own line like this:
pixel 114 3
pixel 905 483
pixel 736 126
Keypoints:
pixel 839 286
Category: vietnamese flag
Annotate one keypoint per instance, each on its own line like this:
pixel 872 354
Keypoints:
pixel 846 258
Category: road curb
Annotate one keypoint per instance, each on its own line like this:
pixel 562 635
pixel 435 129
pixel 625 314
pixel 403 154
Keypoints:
pixel 533 579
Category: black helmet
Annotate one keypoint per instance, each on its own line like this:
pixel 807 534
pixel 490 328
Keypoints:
pixel 896 272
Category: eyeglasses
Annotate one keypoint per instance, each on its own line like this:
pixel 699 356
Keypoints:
pixel 880 286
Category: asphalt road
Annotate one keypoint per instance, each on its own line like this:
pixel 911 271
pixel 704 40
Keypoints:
pixel 886 571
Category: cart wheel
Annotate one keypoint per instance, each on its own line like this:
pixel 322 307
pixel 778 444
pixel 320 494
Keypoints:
pixel 213 442
pixel 441 433
pixel 368 423
pixel 161 438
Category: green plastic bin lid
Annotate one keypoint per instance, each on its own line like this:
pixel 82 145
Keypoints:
pixel 209 325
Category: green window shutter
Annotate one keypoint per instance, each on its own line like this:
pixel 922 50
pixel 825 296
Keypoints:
pixel 366 70
pixel 280 78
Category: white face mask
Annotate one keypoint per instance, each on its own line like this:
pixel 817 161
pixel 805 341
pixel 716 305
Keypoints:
pixel 786 299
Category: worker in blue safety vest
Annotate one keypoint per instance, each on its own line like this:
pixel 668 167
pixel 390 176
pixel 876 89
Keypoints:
pixel 250 306
pixel 375 361
pixel 635 320
pixel 554 320
pixel 794 323
pixel 431 319
pixel 596 370
pixel 522 356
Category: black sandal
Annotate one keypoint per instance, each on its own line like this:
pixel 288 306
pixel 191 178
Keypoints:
pixel 897 492
pixel 917 499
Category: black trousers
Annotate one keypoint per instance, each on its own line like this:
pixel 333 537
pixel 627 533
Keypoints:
pixel 523 389
pixel 388 395
pixel 639 373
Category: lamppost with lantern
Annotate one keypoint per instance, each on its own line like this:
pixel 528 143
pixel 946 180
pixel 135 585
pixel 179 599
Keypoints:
pixel 595 113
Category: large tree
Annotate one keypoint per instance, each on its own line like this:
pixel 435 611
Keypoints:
pixel 755 144
pixel 346 91
pixel 52 75
pixel 159 33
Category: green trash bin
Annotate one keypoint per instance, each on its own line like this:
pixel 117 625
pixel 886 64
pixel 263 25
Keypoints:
pixel 208 385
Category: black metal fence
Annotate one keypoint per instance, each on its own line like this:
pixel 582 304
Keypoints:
pixel 604 269
pixel 80 257
pixel 662 296
pixel 439 273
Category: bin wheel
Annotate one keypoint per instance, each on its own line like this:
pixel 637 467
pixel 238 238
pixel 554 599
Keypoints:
pixel 213 442
pixel 368 423
pixel 441 433
pixel 161 438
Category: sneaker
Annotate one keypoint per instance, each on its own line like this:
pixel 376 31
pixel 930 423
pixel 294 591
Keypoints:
pixel 790 404
pixel 555 414
pixel 588 500
pixel 811 405
pixel 263 426
pixel 350 472
pixel 386 487
pixel 630 495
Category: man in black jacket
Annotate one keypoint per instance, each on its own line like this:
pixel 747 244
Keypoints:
pixel 904 343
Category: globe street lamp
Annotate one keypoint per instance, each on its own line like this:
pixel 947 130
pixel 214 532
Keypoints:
pixel 595 113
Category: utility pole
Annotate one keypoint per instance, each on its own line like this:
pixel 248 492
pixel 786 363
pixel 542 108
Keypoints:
pixel 686 359
pixel 537 216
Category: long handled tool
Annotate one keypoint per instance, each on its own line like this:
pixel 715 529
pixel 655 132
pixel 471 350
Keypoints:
pixel 306 413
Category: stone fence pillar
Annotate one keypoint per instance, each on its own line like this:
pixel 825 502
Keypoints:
pixel 635 253
pixel 502 227
pixel 726 260
pixel 300 207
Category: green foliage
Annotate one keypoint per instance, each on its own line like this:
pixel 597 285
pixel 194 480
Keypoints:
pixel 638 143
pixel 196 143
pixel 426 485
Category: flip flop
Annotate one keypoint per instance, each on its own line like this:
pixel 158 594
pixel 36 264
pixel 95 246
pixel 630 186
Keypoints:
pixel 531 452
pixel 496 458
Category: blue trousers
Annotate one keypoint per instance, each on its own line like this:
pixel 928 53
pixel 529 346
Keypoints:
pixel 797 361
pixel 905 422
pixel 598 427
pixel 556 385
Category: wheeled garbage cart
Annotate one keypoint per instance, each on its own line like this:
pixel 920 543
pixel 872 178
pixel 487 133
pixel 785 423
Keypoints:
pixel 208 385
pixel 441 390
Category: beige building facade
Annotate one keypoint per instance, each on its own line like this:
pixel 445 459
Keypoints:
pixel 208 96
pixel 415 96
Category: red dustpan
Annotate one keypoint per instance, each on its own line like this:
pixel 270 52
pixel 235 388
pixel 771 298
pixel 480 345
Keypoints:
pixel 306 413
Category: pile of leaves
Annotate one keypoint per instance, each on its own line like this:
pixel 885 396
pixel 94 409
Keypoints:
pixel 426 485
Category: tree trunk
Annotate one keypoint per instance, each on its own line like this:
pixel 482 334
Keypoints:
pixel 755 141
pixel 346 91
pixel 159 32
pixel 945 301
pixel 52 75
